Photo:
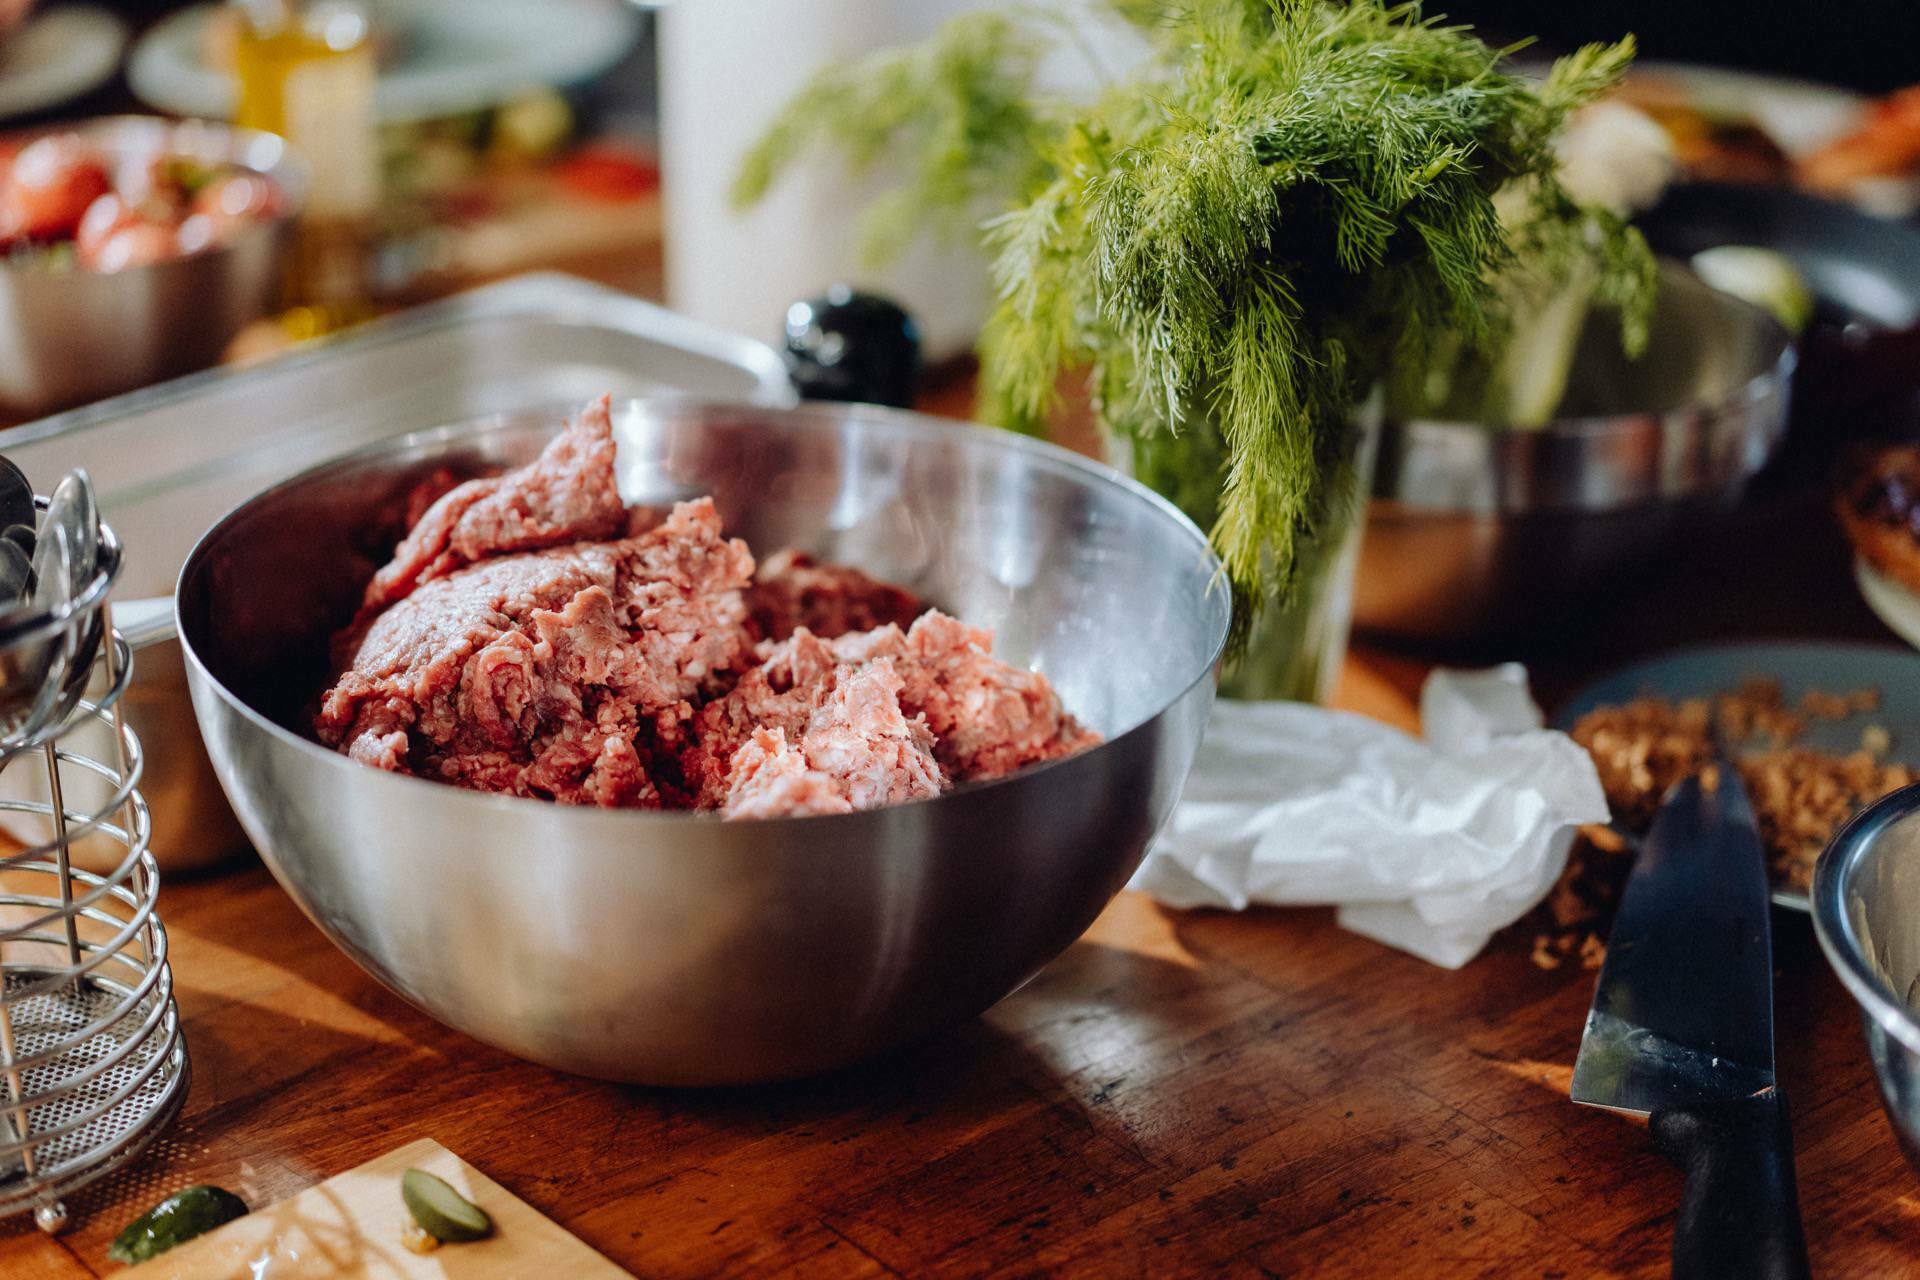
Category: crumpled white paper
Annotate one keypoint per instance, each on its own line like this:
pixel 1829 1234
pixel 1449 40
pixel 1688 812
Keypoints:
pixel 1427 844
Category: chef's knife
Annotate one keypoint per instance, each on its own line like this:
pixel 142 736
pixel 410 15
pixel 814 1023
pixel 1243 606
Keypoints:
pixel 1682 1030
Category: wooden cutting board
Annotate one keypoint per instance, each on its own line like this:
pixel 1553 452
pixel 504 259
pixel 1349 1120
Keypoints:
pixel 350 1226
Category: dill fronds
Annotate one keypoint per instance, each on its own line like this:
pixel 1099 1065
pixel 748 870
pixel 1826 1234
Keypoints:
pixel 960 108
pixel 1284 201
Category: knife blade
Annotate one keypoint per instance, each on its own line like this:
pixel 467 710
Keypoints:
pixel 1684 1008
pixel 1681 1029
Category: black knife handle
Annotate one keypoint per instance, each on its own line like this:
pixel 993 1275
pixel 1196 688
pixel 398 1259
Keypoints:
pixel 1740 1213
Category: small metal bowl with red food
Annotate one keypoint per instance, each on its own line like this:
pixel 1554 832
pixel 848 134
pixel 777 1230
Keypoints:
pixel 133 249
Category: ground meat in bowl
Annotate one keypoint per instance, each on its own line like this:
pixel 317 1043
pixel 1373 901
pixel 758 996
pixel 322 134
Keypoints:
pixel 792 589
pixel 528 639
pixel 548 673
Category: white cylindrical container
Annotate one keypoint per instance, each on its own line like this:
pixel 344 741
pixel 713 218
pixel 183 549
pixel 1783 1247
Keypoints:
pixel 727 67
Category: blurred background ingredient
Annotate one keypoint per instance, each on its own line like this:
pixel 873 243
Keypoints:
pixel 306 72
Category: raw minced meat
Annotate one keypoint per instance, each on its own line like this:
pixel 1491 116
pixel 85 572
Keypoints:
pixel 792 589
pixel 527 639
pixel 549 673
pixel 986 718
pixel 773 779
pixel 568 494
pixel 857 750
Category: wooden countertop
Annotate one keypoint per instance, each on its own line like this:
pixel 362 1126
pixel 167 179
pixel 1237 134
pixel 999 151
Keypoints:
pixel 1181 1093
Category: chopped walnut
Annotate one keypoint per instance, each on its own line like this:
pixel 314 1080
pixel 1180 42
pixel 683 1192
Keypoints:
pixel 1581 904
pixel 1801 796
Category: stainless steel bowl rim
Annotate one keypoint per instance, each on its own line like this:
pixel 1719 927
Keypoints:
pixel 264 153
pixel 1834 928
pixel 1507 444
pixel 1754 388
pixel 827 415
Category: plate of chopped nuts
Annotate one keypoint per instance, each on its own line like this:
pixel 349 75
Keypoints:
pixel 1818 731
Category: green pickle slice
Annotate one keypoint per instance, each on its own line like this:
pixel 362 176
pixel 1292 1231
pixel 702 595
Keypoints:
pixel 176 1220
pixel 442 1212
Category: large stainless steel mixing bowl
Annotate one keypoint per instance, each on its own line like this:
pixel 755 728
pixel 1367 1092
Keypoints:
pixel 679 949
pixel 1479 532
pixel 1866 911
pixel 70 336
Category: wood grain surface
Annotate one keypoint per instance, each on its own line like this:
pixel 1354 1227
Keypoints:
pixel 1181 1093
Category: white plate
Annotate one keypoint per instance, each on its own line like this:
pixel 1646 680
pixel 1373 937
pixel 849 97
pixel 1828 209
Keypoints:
pixel 454 56
pixel 1898 607
pixel 57 56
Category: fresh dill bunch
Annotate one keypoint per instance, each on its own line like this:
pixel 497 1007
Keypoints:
pixel 1284 201
pixel 959 110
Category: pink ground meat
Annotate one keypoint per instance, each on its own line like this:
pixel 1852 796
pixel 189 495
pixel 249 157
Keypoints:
pixel 792 589
pixel 858 750
pixel 566 495
pixel 525 640
pixel 773 779
pixel 987 718
pixel 549 673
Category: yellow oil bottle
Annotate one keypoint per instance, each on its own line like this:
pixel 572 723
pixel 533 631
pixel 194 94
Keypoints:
pixel 306 71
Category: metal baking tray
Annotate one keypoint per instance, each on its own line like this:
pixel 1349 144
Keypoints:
pixel 170 460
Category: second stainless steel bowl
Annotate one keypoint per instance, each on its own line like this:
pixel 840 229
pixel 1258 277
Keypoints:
pixel 69 336
pixel 672 948
pixel 1479 532
pixel 1866 911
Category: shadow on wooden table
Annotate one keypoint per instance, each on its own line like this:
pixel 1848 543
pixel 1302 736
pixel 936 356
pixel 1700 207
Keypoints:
pixel 965 1072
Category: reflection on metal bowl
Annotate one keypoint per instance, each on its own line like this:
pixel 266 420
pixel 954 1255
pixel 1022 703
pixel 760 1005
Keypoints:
pixel 1478 532
pixel 71 336
pixel 674 948
pixel 1866 911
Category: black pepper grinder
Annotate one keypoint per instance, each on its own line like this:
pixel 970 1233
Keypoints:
pixel 849 345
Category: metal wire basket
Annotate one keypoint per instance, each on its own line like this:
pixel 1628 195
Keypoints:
pixel 92 1062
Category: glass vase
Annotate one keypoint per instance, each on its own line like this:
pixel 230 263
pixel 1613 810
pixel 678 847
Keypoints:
pixel 1296 644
